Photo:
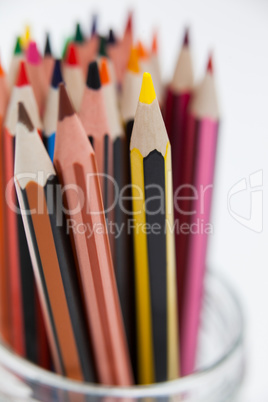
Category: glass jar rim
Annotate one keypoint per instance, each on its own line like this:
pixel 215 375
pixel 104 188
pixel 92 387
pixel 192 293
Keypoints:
pixel 25 368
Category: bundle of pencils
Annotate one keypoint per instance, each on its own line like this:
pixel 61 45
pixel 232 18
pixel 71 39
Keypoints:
pixel 101 276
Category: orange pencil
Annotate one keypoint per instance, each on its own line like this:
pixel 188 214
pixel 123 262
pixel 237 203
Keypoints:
pixel 75 164
pixel 130 92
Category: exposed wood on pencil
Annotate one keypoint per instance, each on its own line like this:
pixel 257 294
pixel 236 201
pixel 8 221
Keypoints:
pixel 51 253
pixel 75 164
pixel 154 253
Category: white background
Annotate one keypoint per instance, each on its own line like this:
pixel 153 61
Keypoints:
pixel 237 32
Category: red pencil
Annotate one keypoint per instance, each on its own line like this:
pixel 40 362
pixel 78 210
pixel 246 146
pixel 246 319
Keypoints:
pixel 18 259
pixel 5 317
pixel 178 97
pixel 73 77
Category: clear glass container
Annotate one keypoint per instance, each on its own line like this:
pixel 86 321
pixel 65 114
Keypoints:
pixel 219 373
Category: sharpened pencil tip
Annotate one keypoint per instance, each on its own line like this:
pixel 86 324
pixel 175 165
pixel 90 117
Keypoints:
pixel 142 52
pixel 48 51
pixel 79 37
pixel 102 47
pixel 111 38
pixel 57 75
pixel 71 58
pixel 94 25
pixel 133 63
pixel 104 72
pixel 93 76
pixel 32 53
pixel 65 106
pixel 210 65
pixel 25 39
pixel 155 43
pixel 23 117
pixel 186 37
pixel 2 71
pixel 147 94
pixel 18 49
pixel 22 78
pixel 129 25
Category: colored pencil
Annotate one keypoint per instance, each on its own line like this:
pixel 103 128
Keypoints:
pixel 76 166
pixel 35 73
pixel 155 269
pixel 155 69
pixel 4 92
pixel 130 92
pixel 115 51
pixel 50 249
pixel 15 63
pixel 73 77
pixel 111 39
pixel 203 126
pixel 22 290
pixel 94 30
pixel 119 51
pixel 180 88
pixel 122 242
pixel 127 43
pixel 94 119
pixel 48 63
pixel 5 318
pixel 183 153
pixel 102 53
pixel 144 57
pixel 51 110
pixel 26 37
pixel 81 48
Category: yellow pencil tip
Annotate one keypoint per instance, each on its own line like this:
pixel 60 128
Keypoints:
pixel 147 94
pixel 25 39
pixel 27 32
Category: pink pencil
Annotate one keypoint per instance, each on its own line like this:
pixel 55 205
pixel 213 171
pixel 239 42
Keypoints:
pixel 36 75
pixel 204 120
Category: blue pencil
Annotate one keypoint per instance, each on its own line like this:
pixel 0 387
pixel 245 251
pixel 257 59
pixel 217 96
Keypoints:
pixel 51 110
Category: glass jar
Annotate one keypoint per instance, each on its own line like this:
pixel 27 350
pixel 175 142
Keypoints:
pixel 220 364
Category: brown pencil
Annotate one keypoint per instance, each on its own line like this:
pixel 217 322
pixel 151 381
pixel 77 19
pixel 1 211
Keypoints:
pixel 94 119
pixel 49 245
pixel 75 164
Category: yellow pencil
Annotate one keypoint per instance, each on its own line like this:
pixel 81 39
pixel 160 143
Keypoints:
pixel 155 270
